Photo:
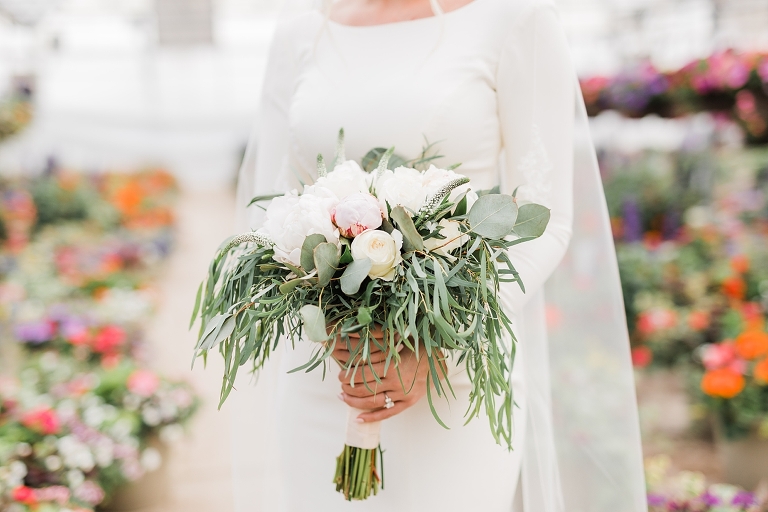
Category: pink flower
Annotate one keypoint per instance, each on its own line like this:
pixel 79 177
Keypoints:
pixel 89 492
pixel 42 420
pixel 143 383
pixel 356 213
pixel 721 355
pixel 654 320
pixel 57 493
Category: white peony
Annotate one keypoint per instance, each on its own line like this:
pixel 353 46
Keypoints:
pixel 357 213
pixel 411 188
pixel 289 219
pixel 382 249
pixel 344 180
pixel 434 178
pixel 454 238
pixel 402 187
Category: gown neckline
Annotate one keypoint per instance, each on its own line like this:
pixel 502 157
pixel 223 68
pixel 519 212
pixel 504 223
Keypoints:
pixel 400 23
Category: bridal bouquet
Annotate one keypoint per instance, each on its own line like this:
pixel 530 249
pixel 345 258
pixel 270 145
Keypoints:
pixel 419 253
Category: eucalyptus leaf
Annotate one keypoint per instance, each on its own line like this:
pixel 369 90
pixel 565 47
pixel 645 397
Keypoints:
pixel 493 216
pixel 326 258
pixel 307 251
pixel 354 275
pixel 411 237
pixel 532 220
pixel 364 316
pixel 313 321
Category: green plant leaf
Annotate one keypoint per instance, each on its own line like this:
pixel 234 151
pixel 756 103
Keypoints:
pixel 354 275
pixel 313 321
pixel 532 220
pixel 411 237
pixel 364 316
pixel 308 249
pixel 326 258
pixel 267 197
pixel 493 216
pixel 197 305
pixel 371 160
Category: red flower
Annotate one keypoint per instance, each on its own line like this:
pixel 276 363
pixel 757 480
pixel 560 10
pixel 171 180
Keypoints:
pixel 42 420
pixel 641 356
pixel 698 320
pixel 24 494
pixel 109 339
pixel 735 287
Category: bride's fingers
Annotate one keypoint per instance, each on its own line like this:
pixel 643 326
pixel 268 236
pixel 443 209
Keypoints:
pixel 370 402
pixel 382 414
pixel 370 373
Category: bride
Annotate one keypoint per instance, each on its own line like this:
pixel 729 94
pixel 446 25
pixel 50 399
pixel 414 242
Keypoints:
pixel 490 83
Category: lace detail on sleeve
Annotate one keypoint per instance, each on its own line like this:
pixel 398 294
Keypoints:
pixel 535 169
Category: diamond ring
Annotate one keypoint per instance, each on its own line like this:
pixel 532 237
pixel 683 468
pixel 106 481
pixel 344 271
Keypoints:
pixel 388 403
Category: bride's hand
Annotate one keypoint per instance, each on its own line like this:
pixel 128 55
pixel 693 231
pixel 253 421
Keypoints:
pixel 342 355
pixel 371 398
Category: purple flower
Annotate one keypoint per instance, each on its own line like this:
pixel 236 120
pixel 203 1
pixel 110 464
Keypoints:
pixel 34 332
pixel 656 500
pixel 709 499
pixel 744 499
pixel 633 224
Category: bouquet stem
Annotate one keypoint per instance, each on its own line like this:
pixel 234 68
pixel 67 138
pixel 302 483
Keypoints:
pixel 359 472
pixel 360 467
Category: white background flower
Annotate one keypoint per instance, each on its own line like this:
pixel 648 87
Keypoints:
pixel 382 249
pixel 291 218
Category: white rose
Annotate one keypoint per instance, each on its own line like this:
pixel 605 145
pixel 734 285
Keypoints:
pixel 346 179
pixel 289 219
pixel 382 249
pixel 356 213
pixel 454 238
pixel 402 187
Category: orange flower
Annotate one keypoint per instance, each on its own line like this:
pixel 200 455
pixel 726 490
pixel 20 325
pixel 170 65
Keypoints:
pixel 761 371
pixel 724 382
pixel 752 344
pixel 735 287
pixel 740 264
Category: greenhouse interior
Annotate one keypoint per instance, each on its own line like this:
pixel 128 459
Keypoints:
pixel 123 124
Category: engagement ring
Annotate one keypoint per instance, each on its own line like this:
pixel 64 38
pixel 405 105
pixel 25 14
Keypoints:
pixel 388 403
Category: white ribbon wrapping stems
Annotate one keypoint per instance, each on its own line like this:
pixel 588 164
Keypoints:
pixel 362 435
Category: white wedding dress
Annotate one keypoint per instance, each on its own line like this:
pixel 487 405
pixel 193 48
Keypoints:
pixel 491 84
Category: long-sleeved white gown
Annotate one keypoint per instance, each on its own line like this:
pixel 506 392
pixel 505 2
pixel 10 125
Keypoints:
pixel 459 80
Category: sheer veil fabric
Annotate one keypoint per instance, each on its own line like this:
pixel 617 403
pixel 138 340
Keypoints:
pixel 582 450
